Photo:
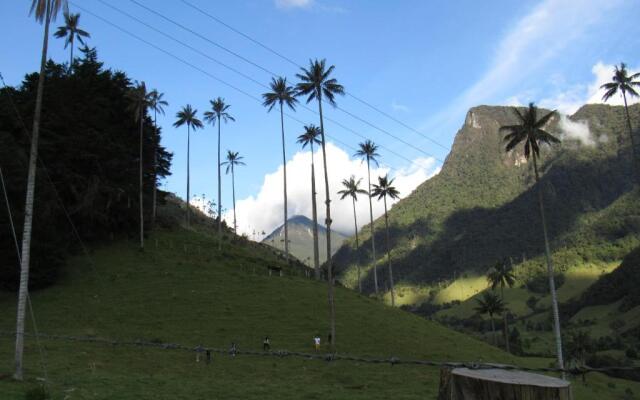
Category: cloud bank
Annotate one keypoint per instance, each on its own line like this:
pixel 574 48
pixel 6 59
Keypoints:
pixel 264 212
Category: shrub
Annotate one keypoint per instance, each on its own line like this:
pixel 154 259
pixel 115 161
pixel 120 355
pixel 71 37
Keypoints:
pixel 539 284
pixel 36 393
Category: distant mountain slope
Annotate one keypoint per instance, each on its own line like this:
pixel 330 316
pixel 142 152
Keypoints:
pixel 482 206
pixel 301 239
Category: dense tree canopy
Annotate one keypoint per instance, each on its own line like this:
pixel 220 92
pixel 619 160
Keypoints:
pixel 89 144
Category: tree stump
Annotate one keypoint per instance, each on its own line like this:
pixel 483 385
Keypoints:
pixel 499 384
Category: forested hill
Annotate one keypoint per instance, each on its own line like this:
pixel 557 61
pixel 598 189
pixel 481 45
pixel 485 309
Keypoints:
pixel 89 143
pixel 482 207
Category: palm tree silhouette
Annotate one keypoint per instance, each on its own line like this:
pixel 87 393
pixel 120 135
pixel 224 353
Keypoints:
pixel 352 189
pixel 490 304
pixel 502 275
pixel 233 159
pixel 70 31
pixel 530 130
pixel 383 190
pixel 310 137
pixel 139 100
pixel 157 104
pixel 218 113
pixel 369 151
pixel 621 81
pixel 188 116
pixel 282 94
pixel 316 84
pixel 44 11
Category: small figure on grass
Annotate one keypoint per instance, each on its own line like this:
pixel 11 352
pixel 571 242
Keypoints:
pixel 208 353
pixel 316 342
pixel 199 350
pixel 233 349
pixel 266 344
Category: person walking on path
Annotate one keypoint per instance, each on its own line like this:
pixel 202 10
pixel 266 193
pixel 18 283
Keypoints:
pixel 316 342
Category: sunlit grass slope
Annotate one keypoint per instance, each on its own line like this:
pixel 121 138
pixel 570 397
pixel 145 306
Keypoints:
pixel 185 292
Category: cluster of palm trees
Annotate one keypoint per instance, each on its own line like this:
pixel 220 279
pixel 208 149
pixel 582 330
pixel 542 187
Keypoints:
pixel 217 114
pixel 382 190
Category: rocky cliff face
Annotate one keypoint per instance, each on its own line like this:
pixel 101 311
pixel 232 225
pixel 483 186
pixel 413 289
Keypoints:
pixel 482 206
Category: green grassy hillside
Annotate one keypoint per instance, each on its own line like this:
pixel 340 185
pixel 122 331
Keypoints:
pixel 180 290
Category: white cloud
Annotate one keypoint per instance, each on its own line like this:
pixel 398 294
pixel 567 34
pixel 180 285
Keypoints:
pixel 578 130
pixel 399 107
pixel 569 100
pixel 293 3
pixel 264 212
pixel 533 42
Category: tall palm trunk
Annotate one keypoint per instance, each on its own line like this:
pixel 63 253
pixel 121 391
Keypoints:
pixel 505 326
pixel 141 196
pixel 355 223
pixel 332 305
pixel 635 163
pixel 552 284
pixel 386 224
pixel 233 190
pixel 219 193
pixel 314 210
pixel 493 330
pixel 71 56
pixel 28 207
pixel 155 169
pixel 373 233
pixel 188 151
pixel 284 166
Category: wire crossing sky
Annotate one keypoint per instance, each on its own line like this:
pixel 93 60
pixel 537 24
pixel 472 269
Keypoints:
pixel 409 83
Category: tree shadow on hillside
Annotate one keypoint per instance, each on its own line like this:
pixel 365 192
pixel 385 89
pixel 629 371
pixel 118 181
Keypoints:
pixel 474 239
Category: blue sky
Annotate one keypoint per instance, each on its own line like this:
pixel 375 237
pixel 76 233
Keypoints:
pixel 424 63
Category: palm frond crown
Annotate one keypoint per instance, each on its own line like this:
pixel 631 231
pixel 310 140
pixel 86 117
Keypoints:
pixel 530 130
pixel 233 158
pixel 218 112
pixel 351 188
pixel 39 8
pixel 280 93
pixel 71 30
pixel 384 188
pixel 156 102
pixel 188 115
pixel 310 136
pixel 368 150
pixel 316 84
pixel 621 81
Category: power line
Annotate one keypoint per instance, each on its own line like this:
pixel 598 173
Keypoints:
pixel 290 61
pixel 272 73
pixel 182 60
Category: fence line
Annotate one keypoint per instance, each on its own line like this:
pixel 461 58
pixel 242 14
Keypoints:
pixel 328 357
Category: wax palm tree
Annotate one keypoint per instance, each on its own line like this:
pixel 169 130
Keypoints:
pixel 233 159
pixel 310 137
pixel 316 85
pixel 44 11
pixel 625 84
pixel 383 190
pixel 71 31
pixel 501 275
pixel 530 130
pixel 352 189
pixel 157 104
pixel 218 113
pixel 369 151
pixel 282 94
pixel 188 116
pixel 139 100
pixel 490 304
